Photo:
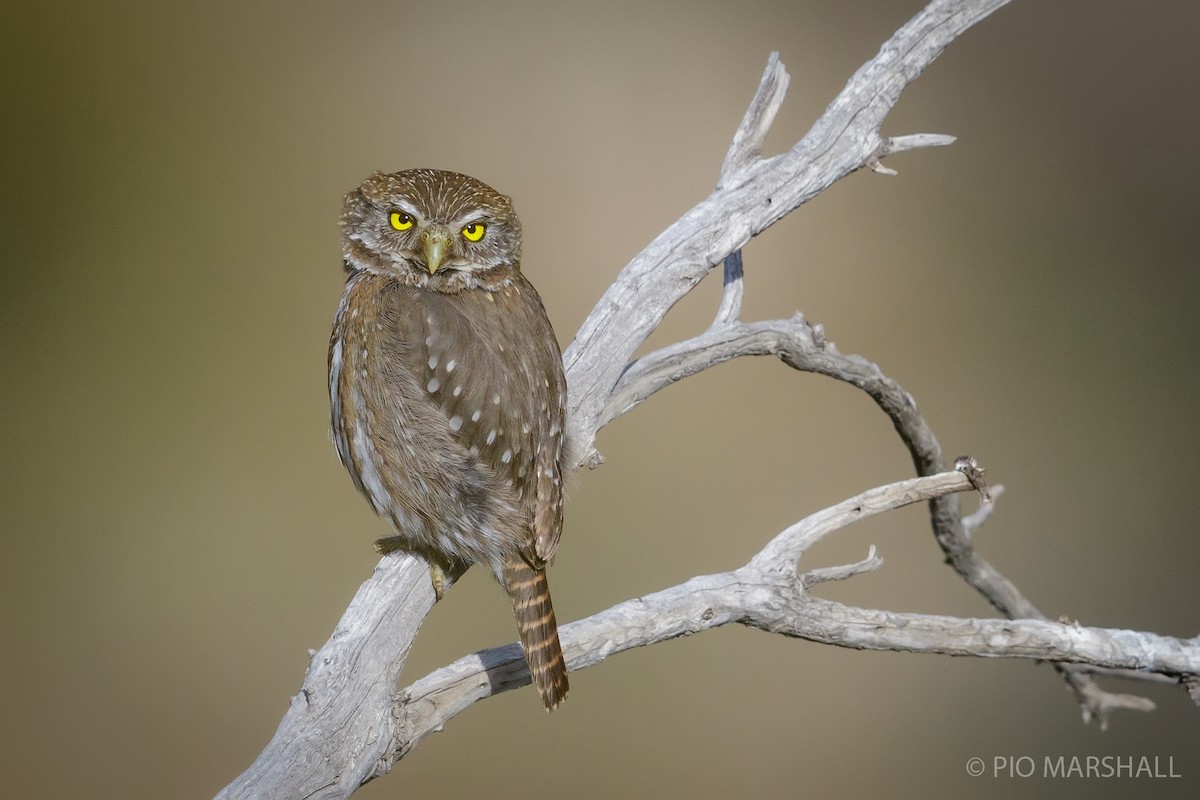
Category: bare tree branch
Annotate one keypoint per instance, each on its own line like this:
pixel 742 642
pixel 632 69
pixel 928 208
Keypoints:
pixel 348 724
pixel 730 310
pixel 756 124
pixel 769 593
pixel 754 192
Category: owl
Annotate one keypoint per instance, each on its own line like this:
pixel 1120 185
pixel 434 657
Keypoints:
pixel 447 391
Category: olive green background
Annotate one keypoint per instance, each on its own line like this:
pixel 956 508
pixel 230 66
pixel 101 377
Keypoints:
pixel 176 530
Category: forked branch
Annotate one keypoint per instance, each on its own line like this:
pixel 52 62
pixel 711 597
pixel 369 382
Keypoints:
pixel 771 593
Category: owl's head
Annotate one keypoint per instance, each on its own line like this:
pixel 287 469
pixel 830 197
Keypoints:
pixel 430 228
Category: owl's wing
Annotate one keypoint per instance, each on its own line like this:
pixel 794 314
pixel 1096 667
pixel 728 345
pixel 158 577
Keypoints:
pixel 546 404
pixel 548 514
pixel 491 363
pixel 548 508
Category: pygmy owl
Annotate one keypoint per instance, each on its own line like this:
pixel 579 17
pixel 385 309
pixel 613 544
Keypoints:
pixel 447 391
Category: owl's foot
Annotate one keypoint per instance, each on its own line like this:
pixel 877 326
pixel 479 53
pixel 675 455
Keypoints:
pixel 443 572
pixel 437 576
pixel 388 545
pixel 440 575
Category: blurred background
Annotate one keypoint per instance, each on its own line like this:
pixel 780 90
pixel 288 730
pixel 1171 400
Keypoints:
pixel 177 531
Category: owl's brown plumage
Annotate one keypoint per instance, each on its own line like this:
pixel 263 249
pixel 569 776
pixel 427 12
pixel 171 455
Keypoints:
pixel 447 390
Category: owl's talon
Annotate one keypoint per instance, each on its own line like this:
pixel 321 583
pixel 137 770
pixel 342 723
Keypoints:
pixel 437 573
pixel 437 576
pixel 388 545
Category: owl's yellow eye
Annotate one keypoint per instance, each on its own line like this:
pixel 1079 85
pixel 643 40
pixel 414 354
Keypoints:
pixel 401 221
pixel 474 232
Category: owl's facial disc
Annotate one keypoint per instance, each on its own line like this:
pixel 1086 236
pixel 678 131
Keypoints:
pixel 435 242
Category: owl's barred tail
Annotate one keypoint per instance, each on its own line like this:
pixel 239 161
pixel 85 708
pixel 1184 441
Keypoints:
pixel 538 630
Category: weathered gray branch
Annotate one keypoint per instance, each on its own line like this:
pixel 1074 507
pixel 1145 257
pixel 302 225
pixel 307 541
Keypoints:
pixel 804 347
pixel 770 593
pixel 348 724
pixel 753 193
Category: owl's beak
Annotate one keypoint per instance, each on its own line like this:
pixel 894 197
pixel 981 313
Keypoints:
pixel 437 242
